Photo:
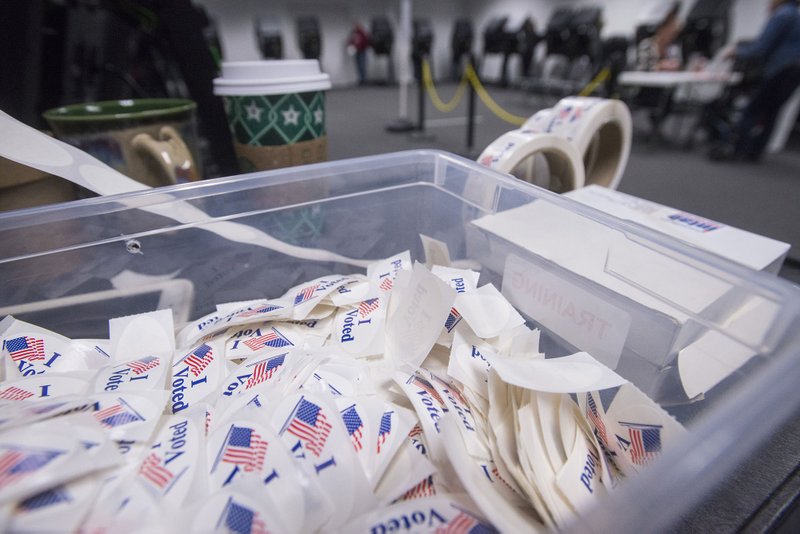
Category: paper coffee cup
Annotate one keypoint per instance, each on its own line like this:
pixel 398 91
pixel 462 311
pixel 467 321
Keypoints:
pixel 276 112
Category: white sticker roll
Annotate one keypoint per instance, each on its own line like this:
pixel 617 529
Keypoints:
pixel 514 153
pixel 601 131
pixel 539 122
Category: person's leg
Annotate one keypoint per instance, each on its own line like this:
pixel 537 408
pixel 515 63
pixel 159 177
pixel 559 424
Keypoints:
pixel 786 84
pixel 361 66
pixel 758 119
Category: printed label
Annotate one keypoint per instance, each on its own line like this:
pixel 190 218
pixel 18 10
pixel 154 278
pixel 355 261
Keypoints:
pixel 580 317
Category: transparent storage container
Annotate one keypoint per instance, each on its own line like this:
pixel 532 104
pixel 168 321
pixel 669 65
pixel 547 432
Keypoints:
pixel 70 267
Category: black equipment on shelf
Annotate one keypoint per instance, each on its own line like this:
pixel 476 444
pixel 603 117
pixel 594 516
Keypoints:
pixel 270 41
pixel 497 39
pixel 460 45
pixel 422 37
pixel 527 39
pixel 421 44
pixel 585 35
pixel 381 36
pixel 461 40
pixel 309 37
pixel 381 40
pixel 559 31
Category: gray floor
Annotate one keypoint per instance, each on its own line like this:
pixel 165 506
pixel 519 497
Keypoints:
pixel 762 198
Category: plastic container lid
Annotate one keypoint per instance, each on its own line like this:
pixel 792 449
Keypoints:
pixel 271 77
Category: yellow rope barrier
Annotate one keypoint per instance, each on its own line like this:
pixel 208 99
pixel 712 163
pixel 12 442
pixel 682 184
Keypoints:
pixel 471 77
pixel 438 103
pixel 493 106
pixel 591 86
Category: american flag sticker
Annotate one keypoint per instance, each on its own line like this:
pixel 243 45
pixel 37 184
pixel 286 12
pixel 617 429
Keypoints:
pixel 244 447
pixel 452 320
pixel 415 431
pixel 309 425
pixel 593 414
pixel 142 365
pixel 386 284
pixel 263 371
pixel 385 429
pixel 259 311
pixel 354 426
pixel 155 473
pixel 305 294
pixel 25 348
pixel 645 442
pixel 273 339
pixel 45 499
pixel 13 393
pixel 425 488
pixel 118 414
pixel 366 307
pixel 16 464
pixel 454 391
pixel 464 523
pixel 423 384
pixel 240 519
pixel 198 359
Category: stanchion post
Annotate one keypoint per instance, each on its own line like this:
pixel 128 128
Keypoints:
pixel 471 107
pixel 419 134
pixel 420 93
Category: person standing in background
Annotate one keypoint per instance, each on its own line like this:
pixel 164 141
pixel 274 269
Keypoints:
pixel 778 50
pixel 357 46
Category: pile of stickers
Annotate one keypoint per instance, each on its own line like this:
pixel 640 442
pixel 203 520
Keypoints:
pixel 405 399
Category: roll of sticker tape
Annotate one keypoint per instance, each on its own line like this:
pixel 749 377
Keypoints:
pixel 539 122
pixel 601 131
pixel 516 153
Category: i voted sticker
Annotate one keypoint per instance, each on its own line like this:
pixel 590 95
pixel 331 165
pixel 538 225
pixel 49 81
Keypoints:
pixel 140 374
pixel 359 330
pixel 262 340
pixel 196 374
pixel 170 468
pixel 247 456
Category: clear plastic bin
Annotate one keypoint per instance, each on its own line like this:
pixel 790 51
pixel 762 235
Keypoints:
pixel 70 267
